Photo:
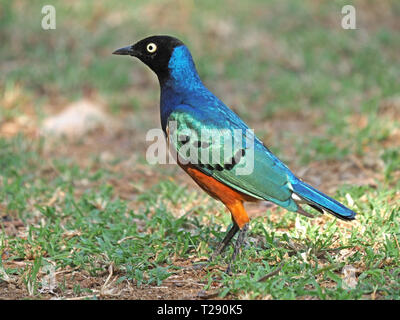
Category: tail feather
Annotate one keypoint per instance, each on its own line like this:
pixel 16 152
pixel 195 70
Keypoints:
pixel 317 199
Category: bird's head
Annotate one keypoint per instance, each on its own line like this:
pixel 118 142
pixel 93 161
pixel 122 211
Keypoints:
pixel 154 51
pixel 164 55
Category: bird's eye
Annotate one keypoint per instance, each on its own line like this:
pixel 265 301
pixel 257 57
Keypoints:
pixel 151 47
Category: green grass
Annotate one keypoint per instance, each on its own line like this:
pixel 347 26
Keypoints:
pixel 272 61
pixel 85 232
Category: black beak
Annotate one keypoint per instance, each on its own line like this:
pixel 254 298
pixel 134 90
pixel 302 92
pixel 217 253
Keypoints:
pixel 125 51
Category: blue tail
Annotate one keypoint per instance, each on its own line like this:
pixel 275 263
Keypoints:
pixel 320 201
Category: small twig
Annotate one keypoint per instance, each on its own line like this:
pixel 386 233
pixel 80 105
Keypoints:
pixel 272 273
pixel 4 274
pixel 126 238
pixel 175 282
pixel 397 243
pixel 103 288
pixel 204 295
pixel 80 298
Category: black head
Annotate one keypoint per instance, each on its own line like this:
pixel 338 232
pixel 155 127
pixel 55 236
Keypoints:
pixel 154 51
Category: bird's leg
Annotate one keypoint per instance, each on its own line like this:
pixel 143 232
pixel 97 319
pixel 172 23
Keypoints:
pixel 239 243
pixel 222 245
pixel 228 237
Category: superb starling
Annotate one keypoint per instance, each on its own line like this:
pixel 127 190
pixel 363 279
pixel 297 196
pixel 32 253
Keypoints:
pixel 195 119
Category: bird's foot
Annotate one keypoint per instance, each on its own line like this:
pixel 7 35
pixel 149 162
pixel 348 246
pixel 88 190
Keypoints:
pixel 224 243
pixel 228 270
pixel 221 247
pixel 238 245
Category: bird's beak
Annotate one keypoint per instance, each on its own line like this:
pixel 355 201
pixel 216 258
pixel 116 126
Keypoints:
pixel 126 51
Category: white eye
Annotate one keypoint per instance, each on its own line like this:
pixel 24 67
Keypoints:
pixel 151 47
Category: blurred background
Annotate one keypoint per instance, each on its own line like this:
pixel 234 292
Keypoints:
pixel 311 90
pixel 73 117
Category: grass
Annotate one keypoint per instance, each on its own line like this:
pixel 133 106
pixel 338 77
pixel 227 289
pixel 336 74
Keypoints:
pixel 108 225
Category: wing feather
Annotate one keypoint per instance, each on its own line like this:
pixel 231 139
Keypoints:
pixel 243 163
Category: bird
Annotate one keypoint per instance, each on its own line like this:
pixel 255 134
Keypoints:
pixel 196 123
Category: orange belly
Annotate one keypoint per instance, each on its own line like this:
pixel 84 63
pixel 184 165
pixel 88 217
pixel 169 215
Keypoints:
pixel 232 199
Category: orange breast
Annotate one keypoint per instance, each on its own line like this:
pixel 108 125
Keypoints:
pixel 232 199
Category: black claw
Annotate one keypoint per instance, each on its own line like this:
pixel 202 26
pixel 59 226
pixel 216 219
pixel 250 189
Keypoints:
pixel 228 270
pixel 238 245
